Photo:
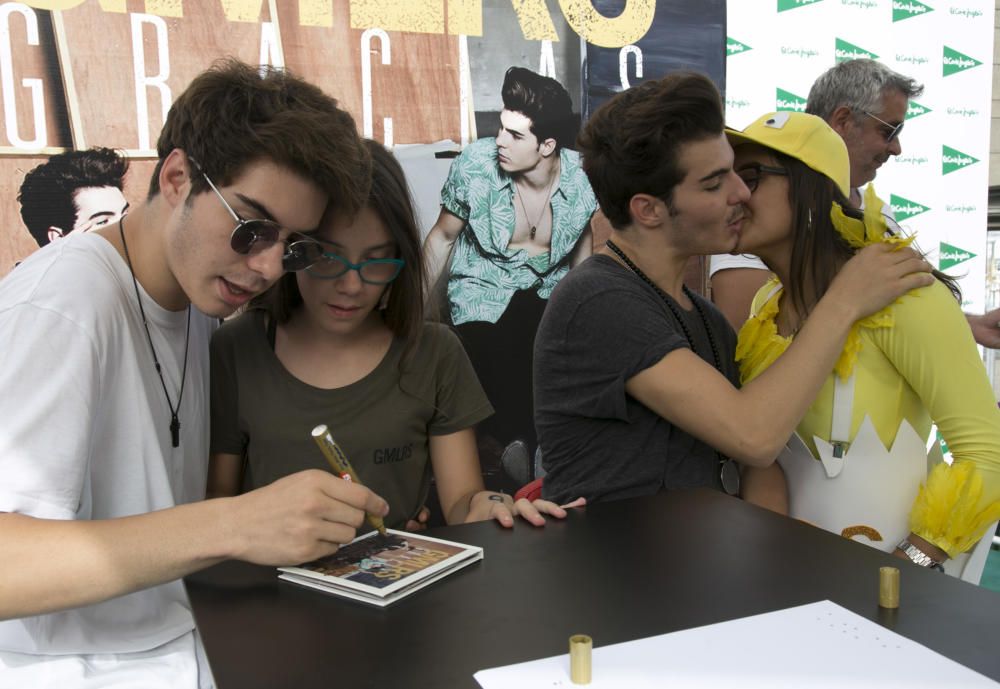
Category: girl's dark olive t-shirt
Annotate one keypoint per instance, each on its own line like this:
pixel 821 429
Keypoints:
pixel 383 421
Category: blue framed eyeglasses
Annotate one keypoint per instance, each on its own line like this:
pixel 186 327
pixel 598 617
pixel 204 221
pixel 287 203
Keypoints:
pixel 889 131
pixel 374 271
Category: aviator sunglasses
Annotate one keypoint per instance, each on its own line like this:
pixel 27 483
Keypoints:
pixel 890 131
pixel 254 236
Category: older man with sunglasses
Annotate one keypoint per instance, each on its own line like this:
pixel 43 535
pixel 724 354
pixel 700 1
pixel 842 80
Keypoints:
pixel 104 444
pixel 866 103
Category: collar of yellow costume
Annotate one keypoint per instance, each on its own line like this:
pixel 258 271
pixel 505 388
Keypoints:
pixel 759 343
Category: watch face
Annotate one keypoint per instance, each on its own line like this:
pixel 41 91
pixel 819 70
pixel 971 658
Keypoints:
pixel 729 474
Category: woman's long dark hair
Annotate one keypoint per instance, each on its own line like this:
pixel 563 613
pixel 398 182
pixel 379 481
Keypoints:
pixel 390 199
pixel 818 250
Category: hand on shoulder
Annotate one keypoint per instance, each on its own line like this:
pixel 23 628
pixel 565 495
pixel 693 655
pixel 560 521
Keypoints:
pixel 876 276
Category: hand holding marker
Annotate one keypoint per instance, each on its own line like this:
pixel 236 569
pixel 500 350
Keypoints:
pixel 341 467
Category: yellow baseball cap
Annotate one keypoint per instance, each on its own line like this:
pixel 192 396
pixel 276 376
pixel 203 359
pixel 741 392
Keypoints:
pixel 803 137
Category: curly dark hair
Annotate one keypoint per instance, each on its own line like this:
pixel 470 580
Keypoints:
pixel 48 193
pixel 544 101
pixel 235 114
pixel 631 144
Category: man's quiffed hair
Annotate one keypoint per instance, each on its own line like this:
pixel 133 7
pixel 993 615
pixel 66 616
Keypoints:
pixel 860 85
pixel 544 101
pixel 48 193
pixel 235 114
pixel 632 143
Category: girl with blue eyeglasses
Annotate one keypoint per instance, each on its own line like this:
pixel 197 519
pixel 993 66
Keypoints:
pixel 344 343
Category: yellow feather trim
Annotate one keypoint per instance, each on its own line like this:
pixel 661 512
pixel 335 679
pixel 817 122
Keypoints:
pixel 873 228
pixel 946 511
pixel 759 344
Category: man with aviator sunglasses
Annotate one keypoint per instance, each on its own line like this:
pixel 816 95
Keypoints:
pixel 866 103
pixel 259 234
pixel 105 445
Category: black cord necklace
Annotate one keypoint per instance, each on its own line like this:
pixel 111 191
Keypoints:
pixel 728 472
pixel 175 422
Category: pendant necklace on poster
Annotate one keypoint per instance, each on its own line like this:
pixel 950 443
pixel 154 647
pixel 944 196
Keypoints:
pixel 729 473
pixel 548 197
pixel 175 422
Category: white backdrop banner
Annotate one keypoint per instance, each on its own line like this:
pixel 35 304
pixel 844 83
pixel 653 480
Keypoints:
pixel 938 186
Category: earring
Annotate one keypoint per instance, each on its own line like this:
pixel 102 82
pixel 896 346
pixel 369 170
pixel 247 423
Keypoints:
pixel 383 303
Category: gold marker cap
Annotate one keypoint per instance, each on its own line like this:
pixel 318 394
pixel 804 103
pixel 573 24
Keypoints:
pixel 888 587
pixel 580 647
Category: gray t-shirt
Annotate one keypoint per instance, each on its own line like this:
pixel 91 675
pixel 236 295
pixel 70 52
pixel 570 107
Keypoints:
pixel 603 325
pixel 382 422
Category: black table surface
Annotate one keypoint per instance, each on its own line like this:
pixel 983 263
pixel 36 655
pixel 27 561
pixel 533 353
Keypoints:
pixel 617 571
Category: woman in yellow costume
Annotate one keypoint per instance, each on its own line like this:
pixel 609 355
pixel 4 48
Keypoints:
pixel 858 464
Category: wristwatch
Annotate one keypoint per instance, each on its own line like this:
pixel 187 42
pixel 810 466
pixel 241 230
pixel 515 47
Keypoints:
pixel 919 557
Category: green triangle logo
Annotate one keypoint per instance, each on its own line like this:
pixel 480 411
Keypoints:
pixel 784 5
pixel 844 51
pixel 786 100
pixel 905 9
pixel 903 209
pixel 952 159
pixel 950 256
pixel 734 47
pixel 915 109
pixel 955 61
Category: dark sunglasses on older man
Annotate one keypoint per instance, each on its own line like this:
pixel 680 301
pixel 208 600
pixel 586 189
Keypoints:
pixel 254 236
pixel 889 131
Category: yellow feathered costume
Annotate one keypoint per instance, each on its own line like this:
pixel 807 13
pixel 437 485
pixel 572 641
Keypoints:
pixel 915 360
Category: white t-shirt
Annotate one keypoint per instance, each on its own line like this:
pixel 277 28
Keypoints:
pixel 726 261
pixel 85 432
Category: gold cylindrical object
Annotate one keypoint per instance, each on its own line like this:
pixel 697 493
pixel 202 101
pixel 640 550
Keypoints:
pixel 888 587
pixel 580 647
pixel 341 466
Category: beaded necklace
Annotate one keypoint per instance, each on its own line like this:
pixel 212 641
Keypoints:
pixel 728 472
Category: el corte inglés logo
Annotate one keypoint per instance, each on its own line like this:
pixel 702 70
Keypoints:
pixel 952 159
pixel 966 12
pixel 904 209
pixel 734 47
pixel 905 9
pixel 786 100
pixel 844 51
pixel 949 256
pixel 915 109
pixel 784 5
pixel 911 59
pixel 955 61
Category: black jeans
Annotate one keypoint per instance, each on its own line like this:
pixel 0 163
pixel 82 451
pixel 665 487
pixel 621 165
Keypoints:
pixel 502 355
